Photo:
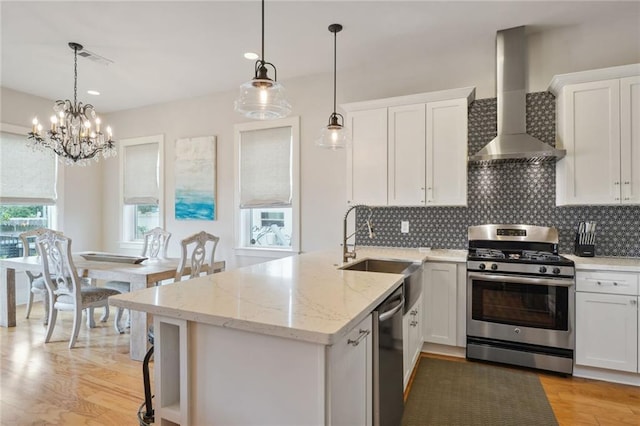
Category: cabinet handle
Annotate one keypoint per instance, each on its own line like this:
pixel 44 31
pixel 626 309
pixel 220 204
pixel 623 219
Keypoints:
pixel 413 323
pixel 633 302
pixel 599 283
pixel 627 182
pixel 617 198
pixel 356 342
pixel 414 312
pixel 616 183
pixel 627 198
pixel 615 283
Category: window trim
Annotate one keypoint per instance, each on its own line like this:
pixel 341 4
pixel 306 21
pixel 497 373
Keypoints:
pixel 159 139
pixel 270 252
pixel 57 211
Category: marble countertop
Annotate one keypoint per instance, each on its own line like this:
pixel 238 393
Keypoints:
pixel 304 297
pixel 621 264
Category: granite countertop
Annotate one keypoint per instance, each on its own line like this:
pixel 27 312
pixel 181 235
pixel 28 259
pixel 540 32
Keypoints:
pixel 621 264
pixel 304 297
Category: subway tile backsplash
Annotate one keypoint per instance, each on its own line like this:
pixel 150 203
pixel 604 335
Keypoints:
pixel 507 193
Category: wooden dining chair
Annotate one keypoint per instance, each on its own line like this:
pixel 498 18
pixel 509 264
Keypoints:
pixel 197 255
pixel 155 246
pixel 65 289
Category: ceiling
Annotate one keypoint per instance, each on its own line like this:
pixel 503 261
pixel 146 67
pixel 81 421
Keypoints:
pixel 168 50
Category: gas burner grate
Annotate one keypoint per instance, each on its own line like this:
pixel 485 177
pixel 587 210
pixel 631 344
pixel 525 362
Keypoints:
pixel 489 253
pixel 539 255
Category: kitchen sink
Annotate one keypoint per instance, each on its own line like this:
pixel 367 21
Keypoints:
pixel 412 275
pixel 379 265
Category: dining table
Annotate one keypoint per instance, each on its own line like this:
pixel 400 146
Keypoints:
pixel 147 273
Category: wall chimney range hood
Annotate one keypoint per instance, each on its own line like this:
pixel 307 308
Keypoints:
pixel 513 145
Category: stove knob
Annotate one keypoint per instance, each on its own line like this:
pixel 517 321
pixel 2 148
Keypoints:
pixel 481 266
pixel 494 266
pixel 556 270
pixel 543 269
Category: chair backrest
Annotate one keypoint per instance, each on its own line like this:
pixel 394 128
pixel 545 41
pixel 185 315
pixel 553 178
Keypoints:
pixel 197 256
pixel 31 235
pixel 59 271
pixel 156 242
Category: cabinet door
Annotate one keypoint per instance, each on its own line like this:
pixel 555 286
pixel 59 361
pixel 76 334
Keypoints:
pixel 447 153
pixel 367 158
pixel 439 325
pixel 589 129
pixel 406 158
pixel 607 331
pixel 630 139
pixel 350 377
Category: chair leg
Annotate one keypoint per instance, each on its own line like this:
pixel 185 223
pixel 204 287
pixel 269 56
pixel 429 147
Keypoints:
pixel 46 308
pixel 53 314
pixel 29 303
pixel 77 319
pixel 91 323
pixel 117 319
pixel 105 315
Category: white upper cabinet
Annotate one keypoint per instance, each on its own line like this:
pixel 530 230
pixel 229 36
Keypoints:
pixel 598 123
pixel 409 150
pixel 367 157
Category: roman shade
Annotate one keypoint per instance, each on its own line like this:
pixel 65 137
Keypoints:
pixel 266 173
pixel 141 179
pixel 28 175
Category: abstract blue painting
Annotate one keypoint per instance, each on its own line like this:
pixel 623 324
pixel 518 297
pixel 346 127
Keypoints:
pixel 195 178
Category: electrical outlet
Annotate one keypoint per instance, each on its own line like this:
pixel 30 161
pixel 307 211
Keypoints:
pixel 404 226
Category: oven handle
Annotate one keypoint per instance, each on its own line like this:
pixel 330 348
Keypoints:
pixel 561 282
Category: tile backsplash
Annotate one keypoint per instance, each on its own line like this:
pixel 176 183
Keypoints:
pixel 507 193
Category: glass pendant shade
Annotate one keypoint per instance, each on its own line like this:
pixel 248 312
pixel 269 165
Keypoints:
pixel 334 136
pixel 262 99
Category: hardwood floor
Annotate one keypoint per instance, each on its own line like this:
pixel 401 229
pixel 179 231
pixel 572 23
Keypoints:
pixel 97 384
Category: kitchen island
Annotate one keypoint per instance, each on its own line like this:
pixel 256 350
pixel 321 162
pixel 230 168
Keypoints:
pixel 281 342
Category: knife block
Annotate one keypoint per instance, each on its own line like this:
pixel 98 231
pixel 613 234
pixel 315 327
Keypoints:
pixel 583 250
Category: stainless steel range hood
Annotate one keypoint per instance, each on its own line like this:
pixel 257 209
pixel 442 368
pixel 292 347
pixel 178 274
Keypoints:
pixel 513 145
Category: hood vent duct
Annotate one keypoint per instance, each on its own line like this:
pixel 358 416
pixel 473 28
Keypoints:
pixel 513 145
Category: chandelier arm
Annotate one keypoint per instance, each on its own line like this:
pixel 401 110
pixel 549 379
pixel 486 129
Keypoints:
pixel 335 44
pixel 262 53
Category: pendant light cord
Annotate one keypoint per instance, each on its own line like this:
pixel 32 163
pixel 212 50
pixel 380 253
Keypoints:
pixel 262 57
pixel 75 76
pixel 335 43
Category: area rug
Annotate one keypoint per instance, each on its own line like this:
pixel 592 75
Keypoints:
pixel 471 393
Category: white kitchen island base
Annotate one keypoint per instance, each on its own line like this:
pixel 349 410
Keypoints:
pixel 206 374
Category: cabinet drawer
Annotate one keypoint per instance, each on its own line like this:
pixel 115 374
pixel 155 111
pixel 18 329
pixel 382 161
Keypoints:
pixel 607 282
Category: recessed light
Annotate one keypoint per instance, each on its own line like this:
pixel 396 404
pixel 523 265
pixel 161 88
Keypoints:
pixel 93 92
pixel 251 55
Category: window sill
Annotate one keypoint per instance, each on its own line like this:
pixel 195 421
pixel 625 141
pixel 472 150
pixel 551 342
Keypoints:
pixel 265 252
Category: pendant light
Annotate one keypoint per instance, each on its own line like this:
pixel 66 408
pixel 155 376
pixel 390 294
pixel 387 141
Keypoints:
pixel 334 135
pixel 263 98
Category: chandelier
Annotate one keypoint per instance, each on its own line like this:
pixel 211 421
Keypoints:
pixel 335 135
pixel 75 134
pixel 262 98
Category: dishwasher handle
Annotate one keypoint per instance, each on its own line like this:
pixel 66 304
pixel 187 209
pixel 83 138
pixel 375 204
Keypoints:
pixel 391 312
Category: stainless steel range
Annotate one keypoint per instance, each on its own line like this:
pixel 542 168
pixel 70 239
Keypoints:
pixel 520 298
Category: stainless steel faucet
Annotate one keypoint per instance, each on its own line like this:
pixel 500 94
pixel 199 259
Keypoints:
pixel 346 254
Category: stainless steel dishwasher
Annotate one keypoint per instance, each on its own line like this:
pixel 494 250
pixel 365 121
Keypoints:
pixel 388 401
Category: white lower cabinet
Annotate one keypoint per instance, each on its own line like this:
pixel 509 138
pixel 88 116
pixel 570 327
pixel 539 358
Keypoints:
pixel 350 377
pixel 440 303
pixel 607 320
pixel 411 338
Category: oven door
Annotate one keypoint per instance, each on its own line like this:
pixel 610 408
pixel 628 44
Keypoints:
pixel 523 309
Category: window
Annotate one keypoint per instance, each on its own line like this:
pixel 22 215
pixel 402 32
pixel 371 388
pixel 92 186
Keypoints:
pixel 267 187
pixel 141 188
pixel 28 195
